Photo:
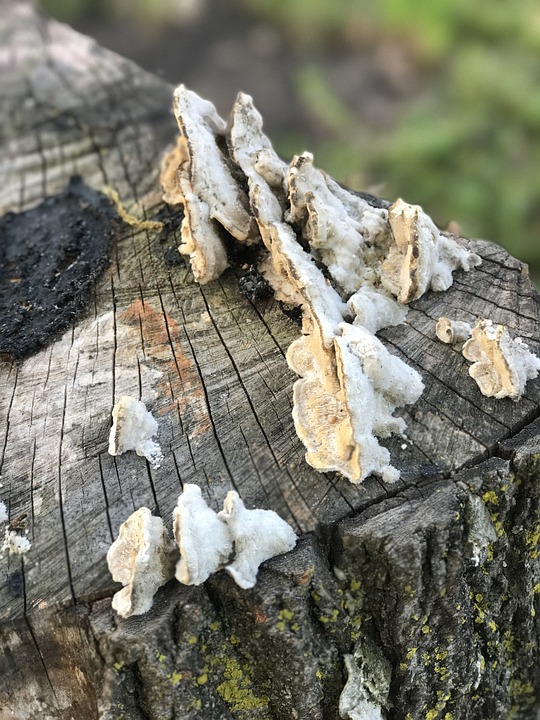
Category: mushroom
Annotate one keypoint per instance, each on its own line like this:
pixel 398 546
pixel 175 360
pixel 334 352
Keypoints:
pixel 142 558
pixel 422 257
pixel 206 187
pixel 333 435
pixel 333 223
pixel 322 245
pixel 501 366
pixel 258 536
pixel 132 429
pixel 452 332
pixel 375 309
pixel 202 535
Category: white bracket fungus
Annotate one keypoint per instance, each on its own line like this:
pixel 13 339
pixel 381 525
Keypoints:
pixel 501 366
pixel 258 535
pixel 422 257
pixel 142 558
pixel 132 429
pixel 344 232
pixel 452 332
pixel 202 536
pixel 206 187
pixel 208 540
pixel 348 250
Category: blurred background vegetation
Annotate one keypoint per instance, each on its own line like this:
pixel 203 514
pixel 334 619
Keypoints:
pixel 437 101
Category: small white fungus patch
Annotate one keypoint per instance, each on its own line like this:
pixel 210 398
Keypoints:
pixel 14 543
pixel 132 429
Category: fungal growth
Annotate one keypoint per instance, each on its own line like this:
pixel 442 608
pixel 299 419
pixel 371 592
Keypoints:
pixel 349 265
pixel 500 366
pixel 258 535
pixel 14 543
pixel 421 257
pixel 132 429
pixel 452 332
pixel 203 538
pixel 142 558
pixel 204 182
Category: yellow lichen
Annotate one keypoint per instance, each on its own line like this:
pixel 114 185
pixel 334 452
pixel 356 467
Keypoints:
pixel 490 497
pixel 237 690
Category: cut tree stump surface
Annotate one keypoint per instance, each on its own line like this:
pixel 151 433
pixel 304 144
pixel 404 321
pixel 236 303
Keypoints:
pixel 209 363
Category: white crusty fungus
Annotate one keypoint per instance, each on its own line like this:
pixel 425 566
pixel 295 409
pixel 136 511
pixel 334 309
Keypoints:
pixel 203 538
pixel 375 309
pixel 501 366
pixel 342 261
pixel 452 332
pixel 132 429
pixel 334 437
pixel 142 558
pixel 14 543
pixel 343 230
pixel 205 184
pixel 422 258
pixel 258 535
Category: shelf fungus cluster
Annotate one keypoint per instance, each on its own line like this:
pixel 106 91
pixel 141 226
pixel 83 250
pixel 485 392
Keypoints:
pixel 143 557
pixel 501 366
pixel 350 265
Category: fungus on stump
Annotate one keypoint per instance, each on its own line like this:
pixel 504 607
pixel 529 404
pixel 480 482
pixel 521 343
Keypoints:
pixel 407 600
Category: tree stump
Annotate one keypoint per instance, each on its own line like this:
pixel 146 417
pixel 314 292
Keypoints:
pixel 409 601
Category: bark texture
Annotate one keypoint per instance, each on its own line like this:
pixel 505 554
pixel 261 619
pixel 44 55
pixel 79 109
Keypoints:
pixel 423 593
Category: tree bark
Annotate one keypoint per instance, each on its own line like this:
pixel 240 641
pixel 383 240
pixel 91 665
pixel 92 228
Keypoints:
pixel 409 601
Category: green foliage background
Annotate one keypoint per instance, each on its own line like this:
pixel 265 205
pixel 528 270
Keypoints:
pixel 466 147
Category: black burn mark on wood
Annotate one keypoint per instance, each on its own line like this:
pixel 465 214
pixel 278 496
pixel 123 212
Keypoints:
pixel 50 258
pixel 169 238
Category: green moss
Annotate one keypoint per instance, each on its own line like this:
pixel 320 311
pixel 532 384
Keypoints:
pixel 285 614
pixel 411 652
pixel 176 677
pixel 202 679
pixel 192 640
pixel 118 666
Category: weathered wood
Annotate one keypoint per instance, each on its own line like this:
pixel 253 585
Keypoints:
pixel 209 362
